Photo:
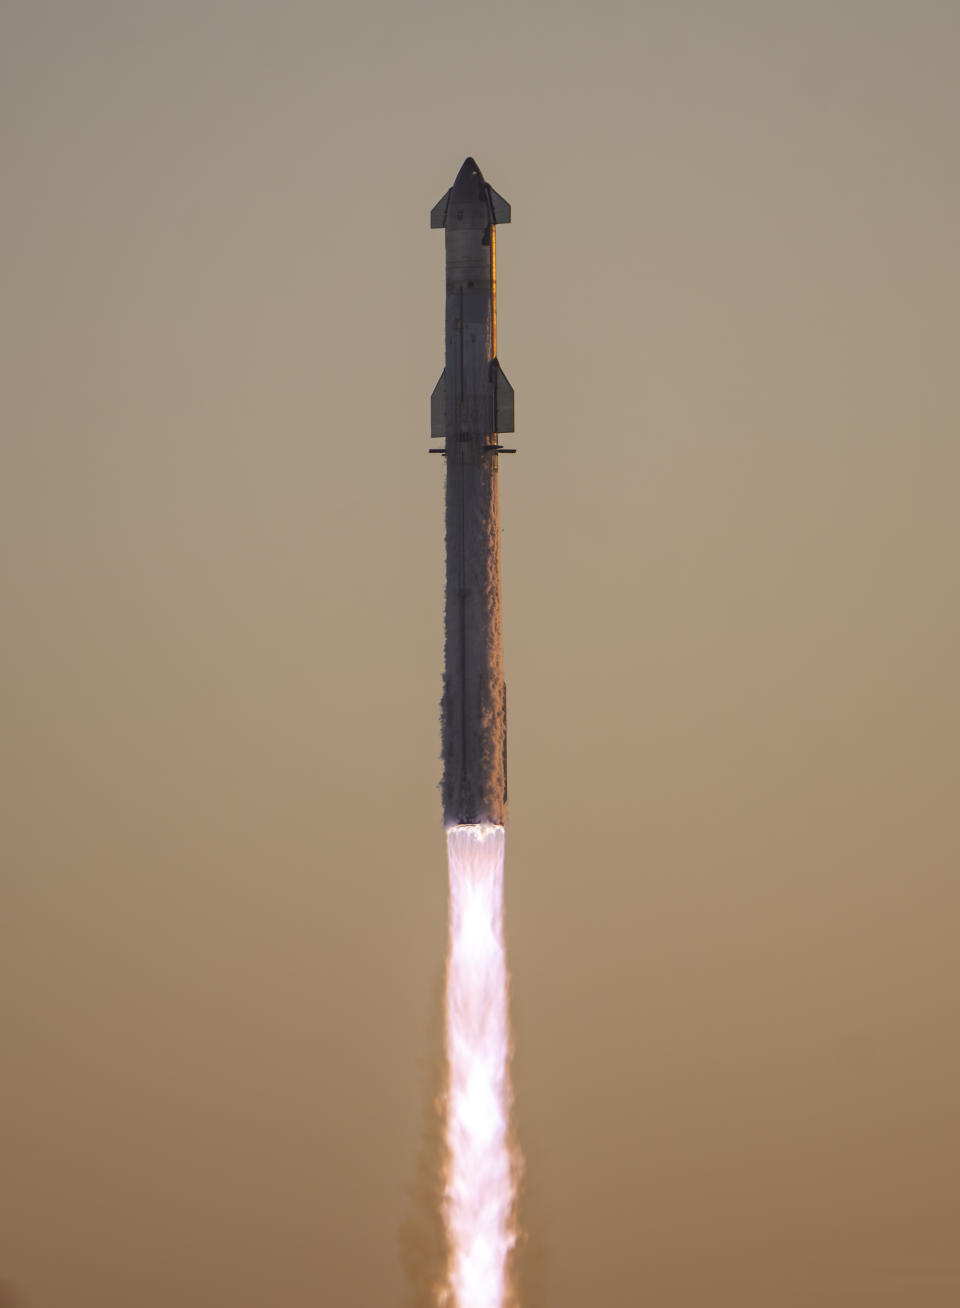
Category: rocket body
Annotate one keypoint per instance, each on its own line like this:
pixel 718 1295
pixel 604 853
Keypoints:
pixel 471 404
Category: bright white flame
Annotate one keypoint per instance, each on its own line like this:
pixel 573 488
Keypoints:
pixel 480 1188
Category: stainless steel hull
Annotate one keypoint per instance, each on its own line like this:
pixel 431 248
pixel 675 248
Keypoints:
pixel 471 405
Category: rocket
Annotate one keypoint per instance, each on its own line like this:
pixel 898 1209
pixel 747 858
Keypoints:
pixel 471 405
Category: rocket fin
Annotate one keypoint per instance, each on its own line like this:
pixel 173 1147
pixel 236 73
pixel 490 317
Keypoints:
pixel 500 210
pixel 438 214
pixel 438 407
pixel 502 399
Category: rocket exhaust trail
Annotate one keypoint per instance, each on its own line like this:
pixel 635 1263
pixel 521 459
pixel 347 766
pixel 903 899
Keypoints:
pixel 479 1188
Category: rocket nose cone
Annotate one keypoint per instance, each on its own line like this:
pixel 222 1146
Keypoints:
pixel 469 184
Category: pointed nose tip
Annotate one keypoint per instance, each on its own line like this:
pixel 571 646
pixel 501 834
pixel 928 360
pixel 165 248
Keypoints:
pixel 469 183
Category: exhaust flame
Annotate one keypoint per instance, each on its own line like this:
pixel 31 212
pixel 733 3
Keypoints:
pixel 479 1190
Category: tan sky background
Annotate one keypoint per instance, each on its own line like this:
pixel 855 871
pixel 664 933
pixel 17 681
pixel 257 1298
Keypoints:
pixel 730 307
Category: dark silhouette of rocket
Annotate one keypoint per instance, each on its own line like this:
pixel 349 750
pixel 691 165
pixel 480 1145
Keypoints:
pixel 471 405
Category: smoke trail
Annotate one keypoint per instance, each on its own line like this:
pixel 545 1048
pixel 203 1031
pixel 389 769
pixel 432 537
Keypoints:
pixel 480 1189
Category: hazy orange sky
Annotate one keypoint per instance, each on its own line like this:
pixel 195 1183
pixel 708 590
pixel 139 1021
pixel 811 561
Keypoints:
pixel 730 308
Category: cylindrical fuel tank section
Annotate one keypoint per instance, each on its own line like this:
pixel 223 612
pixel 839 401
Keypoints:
pixel 474 700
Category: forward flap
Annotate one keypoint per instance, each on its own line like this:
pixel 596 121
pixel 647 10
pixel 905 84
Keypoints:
pixel 438 214
pixel 498 206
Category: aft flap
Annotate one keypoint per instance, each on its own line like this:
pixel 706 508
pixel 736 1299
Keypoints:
pixel 499 208
pixel 438 407
pixel 502 399
pixel 438 214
